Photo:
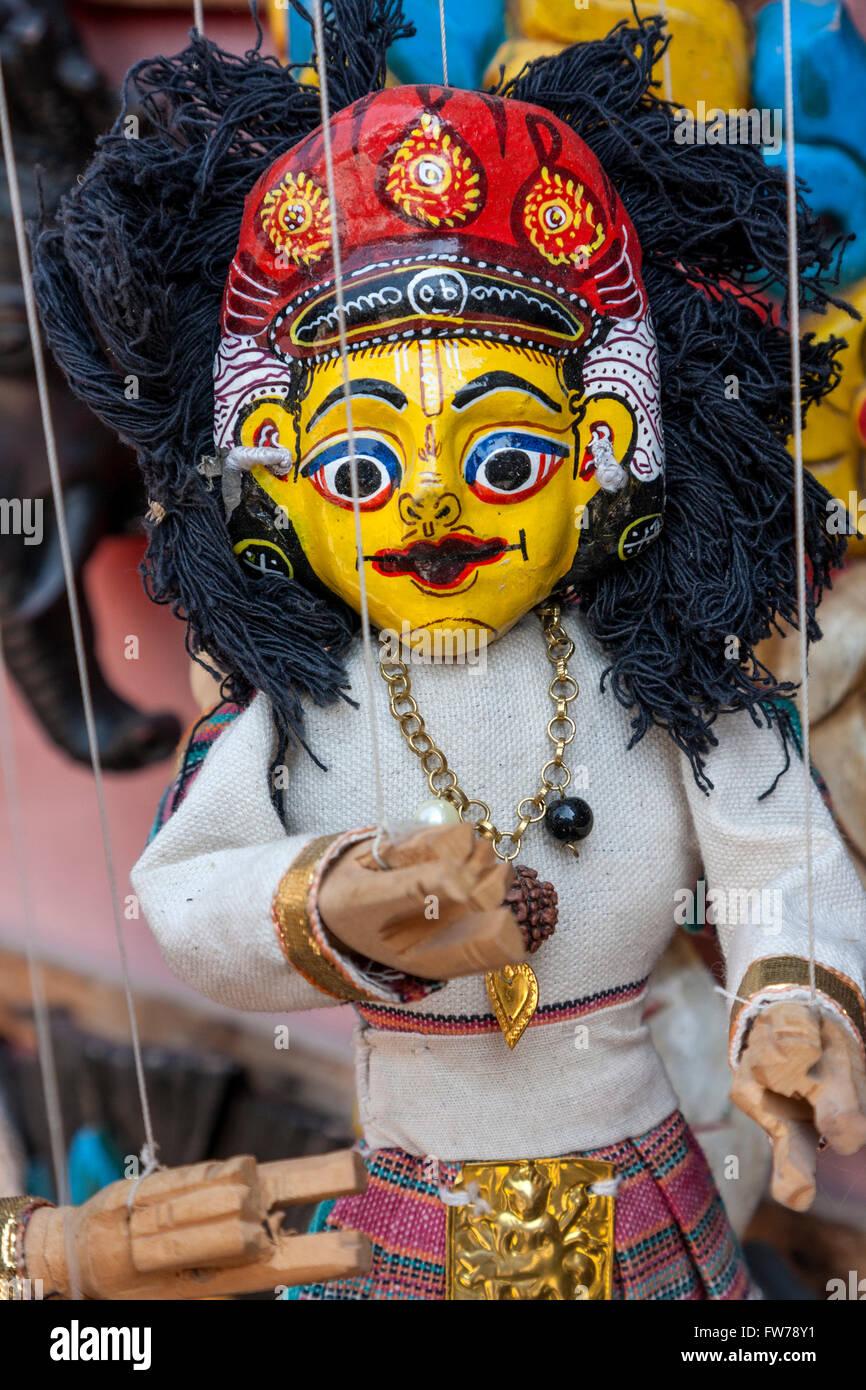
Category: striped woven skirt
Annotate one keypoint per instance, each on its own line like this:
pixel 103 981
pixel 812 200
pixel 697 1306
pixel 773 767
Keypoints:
pixel 672 1237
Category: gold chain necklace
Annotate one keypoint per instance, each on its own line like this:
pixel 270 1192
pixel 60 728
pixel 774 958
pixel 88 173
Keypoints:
pixel 513 991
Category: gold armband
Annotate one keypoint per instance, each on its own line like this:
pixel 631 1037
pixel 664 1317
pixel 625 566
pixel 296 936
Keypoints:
pixel 303 947
pixel 14 1215
pixel 776 974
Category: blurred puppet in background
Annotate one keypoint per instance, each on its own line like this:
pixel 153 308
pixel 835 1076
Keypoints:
pixel 59 105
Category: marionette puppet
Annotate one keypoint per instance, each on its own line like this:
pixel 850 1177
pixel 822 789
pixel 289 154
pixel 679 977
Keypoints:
pixel 528 461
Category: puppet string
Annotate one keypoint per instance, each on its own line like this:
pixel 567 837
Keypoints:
pixel 799 509
pixel 149 1160
pixel 444 43
pixel 198 15
pixel 728 995
pixel 369 660
pixel 72 596
pixel 468 1197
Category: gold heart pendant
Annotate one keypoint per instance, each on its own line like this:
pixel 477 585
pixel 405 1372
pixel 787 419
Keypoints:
pixel 513 992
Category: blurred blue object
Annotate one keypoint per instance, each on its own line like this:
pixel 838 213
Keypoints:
pixel 39 1180
pixel 829 111
pixel 473 33
pixel 838 194
pixel 93 1163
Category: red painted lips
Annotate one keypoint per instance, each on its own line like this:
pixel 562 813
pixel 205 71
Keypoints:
pixel 441 564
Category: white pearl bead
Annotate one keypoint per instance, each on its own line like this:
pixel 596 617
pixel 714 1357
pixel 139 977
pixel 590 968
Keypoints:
pixel 437 811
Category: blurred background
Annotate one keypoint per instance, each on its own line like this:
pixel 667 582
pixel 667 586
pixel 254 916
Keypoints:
pixel 225 1083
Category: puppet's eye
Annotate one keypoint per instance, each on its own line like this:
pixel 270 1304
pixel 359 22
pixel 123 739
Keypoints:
pixel 379 471
pixel 509 466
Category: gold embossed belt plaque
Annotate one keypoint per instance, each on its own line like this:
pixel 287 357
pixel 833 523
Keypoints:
pixel 531 1229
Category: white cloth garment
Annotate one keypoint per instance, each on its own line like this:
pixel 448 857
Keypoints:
pixel 433 1076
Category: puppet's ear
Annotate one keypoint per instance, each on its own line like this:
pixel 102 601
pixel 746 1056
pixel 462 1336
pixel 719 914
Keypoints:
pixel 607 431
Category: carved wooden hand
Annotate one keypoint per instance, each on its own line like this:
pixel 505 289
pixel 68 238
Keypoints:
pixel 205 1231
pixel 438 911
pixel 802 1077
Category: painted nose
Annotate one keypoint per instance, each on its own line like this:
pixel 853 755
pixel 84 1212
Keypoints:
pixel 430 512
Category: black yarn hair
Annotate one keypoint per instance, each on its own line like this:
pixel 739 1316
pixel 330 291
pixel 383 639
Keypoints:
pixel 711 220
pixel 130 275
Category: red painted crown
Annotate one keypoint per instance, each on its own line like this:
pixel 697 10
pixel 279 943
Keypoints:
pixel 458 214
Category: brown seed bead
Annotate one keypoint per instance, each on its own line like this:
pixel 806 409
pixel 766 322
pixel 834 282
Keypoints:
pixel 534 904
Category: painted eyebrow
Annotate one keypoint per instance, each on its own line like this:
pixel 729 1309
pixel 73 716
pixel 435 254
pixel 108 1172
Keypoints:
pixel 362 386
pixel 500 381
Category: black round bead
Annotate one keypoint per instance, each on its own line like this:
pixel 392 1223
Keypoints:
pixel 569 819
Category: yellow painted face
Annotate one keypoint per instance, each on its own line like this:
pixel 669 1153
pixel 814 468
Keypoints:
pixel 474 466
pixel 834 440
pixel 709 55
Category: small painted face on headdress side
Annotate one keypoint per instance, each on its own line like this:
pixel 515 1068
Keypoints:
pixel 503 418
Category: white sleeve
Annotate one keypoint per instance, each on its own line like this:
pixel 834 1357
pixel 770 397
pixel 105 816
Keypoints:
pixel 207 885
pixel 754 855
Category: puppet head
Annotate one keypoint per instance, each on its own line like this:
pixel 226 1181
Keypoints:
pixel 502 366
pixel 131 277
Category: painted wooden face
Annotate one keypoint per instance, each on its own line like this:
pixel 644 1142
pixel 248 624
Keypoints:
pixel 505 402
pixel 474 467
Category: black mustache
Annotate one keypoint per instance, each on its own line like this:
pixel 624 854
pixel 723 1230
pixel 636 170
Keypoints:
pixel 440 564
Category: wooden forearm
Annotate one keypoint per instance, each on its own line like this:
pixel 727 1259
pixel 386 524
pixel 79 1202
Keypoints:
pixel 205 1231
pixel 45 1250
pixel 297 1260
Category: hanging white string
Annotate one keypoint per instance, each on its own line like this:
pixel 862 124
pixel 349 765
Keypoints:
pixel 198 15
pixel 666 56
pixel 44 1040
pixel 444 43
pixel 69 576
pixel 799 522
pixel 369 659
